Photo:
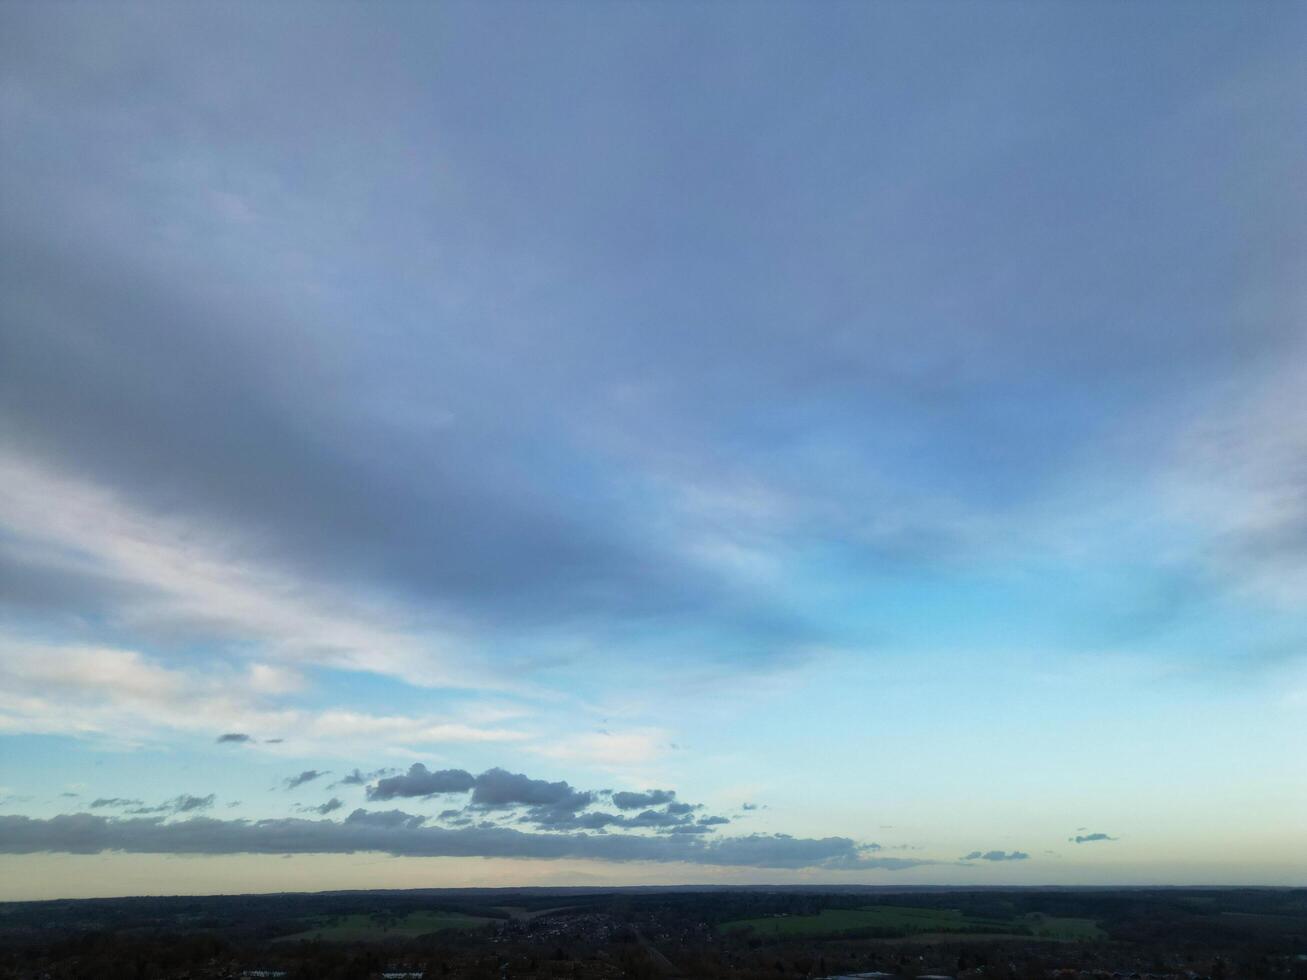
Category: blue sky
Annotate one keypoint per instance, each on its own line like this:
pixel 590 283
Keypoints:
pixel 879 425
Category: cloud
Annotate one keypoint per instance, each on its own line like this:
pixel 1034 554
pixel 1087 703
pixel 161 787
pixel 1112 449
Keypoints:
pixel 384 818
pixel 1236 474
pixel 234 737
pixel 419 781
pixel 498 788
pixel 636 801
pixel 114 801
pixel 307 776
pixel 1089 838
pixel 996 856
pixel 359 778
pixel 608 748
pixel 124 696
pixel 185 803
pixel 398 833
pixel 548 805
pixel 331 806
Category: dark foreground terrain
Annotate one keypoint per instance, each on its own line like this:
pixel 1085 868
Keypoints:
pixel 649 934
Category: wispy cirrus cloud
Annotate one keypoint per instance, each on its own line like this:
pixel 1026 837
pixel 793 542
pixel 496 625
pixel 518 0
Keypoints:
pixel 307 776
pixel 179 577
pixel 124 696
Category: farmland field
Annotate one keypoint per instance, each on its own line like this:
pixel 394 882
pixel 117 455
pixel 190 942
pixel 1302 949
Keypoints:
pixel 891 920
pixel 1060 927
pixel 364 927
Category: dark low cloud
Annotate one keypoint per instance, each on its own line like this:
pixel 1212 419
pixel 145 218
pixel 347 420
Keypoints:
pixel 996 856
pixel 114 801
pixel 331 806
pixel 638 801
pixel 1089 838
pixel 555 806
pixel 499 788
pixel 185 803
pixel 234 737
pixel 307 776
pixel 398 833
pixel 669 819
pixel 384 818
pixel 359 778
pixel 420 781
pixel 493 789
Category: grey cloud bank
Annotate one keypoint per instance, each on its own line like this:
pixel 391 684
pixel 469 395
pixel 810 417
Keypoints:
pixel 493 789
pixel 102 381
pixel 547 805
pixel 398 833
pixel 418 781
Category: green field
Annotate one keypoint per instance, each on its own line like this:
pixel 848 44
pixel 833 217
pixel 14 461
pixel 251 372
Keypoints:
pixel 892 920
pixel 375 926
pixel 1061 927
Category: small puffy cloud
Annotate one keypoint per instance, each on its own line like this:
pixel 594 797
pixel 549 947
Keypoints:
pixel 234 737
pixel 711 821
pixel 307 776
pixel 420 781
pixel 996 856
pixel 1089 838
pixel 642 801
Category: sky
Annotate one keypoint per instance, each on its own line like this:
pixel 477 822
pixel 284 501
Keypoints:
pixel 559 443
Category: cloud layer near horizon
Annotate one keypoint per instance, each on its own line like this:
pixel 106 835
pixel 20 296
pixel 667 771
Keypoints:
pixel 86 833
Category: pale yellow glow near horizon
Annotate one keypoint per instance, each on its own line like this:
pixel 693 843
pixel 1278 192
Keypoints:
pixel 30 877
